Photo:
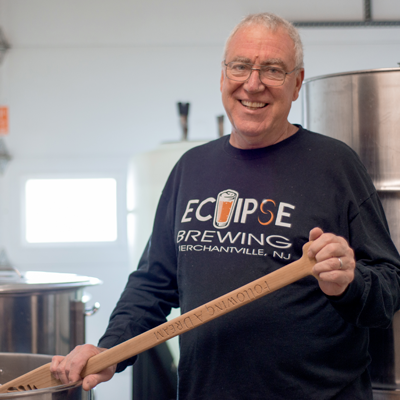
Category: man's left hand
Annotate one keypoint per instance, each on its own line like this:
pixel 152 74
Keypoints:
pixel 335 262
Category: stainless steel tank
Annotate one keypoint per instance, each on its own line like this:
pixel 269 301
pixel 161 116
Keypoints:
pixel 43 312
pixel 362 109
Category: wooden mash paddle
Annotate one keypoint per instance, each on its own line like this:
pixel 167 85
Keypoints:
pixel 41 377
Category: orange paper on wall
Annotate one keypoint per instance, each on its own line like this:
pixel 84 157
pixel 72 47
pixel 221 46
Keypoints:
pixel 3 120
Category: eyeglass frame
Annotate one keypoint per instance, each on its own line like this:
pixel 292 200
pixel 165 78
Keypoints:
pixel 258 69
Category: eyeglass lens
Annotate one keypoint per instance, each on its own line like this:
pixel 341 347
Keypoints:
pixel 271 76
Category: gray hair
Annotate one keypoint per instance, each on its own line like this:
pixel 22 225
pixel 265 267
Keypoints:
pixel 271 22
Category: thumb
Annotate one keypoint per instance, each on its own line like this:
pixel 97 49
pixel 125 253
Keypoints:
pixel 89 382
pixel 315 233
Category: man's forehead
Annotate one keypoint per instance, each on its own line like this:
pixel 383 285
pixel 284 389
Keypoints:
pixel 237 47
pixel 258 31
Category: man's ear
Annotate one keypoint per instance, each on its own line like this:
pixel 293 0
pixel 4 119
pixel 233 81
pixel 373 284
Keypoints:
pixel 222 80
pixel 299 83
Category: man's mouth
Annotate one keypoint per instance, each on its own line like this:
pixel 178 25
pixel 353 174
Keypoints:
pixel 253 105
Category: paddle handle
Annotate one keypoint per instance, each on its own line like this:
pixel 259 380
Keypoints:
pixel 200 315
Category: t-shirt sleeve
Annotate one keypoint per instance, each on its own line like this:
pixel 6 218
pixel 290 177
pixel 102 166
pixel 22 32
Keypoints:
pixel 374 296
pixel 151 290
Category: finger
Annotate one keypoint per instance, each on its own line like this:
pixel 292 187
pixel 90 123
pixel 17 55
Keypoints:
pixel 55 362
pixel 341 256
pixel 320 240
pixel 73 370
pixel 78 360
pixel 69 369
pixel 331 264
pixel 333 283
pixel 329 245
pixel 332 280
pixel 63 371
pixel 340 278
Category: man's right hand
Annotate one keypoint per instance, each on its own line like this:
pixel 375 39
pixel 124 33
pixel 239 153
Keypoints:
pixel 68 369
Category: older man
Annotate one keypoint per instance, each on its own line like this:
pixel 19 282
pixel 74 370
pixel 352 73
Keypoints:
pixel 242 206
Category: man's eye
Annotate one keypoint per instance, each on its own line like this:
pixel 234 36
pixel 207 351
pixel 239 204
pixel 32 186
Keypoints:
pixel 239 67
pixel 273 71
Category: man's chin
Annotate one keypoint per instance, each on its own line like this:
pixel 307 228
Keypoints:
pixel 248 139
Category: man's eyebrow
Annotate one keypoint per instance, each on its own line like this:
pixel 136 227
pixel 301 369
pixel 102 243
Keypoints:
pixel 272 61
pixel 241 59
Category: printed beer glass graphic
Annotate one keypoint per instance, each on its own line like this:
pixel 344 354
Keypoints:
pixel 225 205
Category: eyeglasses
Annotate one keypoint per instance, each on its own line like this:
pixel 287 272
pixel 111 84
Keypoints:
pixel 269 75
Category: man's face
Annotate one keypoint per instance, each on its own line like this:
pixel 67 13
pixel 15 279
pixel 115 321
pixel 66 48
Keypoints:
pixel 258 114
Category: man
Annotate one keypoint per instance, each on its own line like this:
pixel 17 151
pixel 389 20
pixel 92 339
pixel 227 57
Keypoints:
pixel 243 206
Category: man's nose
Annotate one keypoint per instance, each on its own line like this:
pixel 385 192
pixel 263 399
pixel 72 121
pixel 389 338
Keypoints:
pixel 254 83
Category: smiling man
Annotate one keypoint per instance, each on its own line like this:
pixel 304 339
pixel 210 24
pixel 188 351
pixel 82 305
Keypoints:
pixel 257 102
pixel 242 206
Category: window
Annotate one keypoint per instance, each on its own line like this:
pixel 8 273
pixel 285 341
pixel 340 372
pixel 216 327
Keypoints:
pixel 70 210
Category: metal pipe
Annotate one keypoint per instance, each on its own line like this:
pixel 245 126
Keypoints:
pixel 346 24
pixel 4 45
pixel 367 23
pixel 367 10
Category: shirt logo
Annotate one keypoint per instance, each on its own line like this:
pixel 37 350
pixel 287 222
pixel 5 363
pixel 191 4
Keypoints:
pixel 226 202
pixel 229 207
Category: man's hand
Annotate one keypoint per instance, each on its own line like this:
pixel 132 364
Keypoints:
pixel 68 369
pixel 335 262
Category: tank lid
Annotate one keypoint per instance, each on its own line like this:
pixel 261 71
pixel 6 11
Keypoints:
pixel 38 280
pixel 367 71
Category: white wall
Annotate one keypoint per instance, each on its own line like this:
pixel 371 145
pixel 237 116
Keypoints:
pixel 91 83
